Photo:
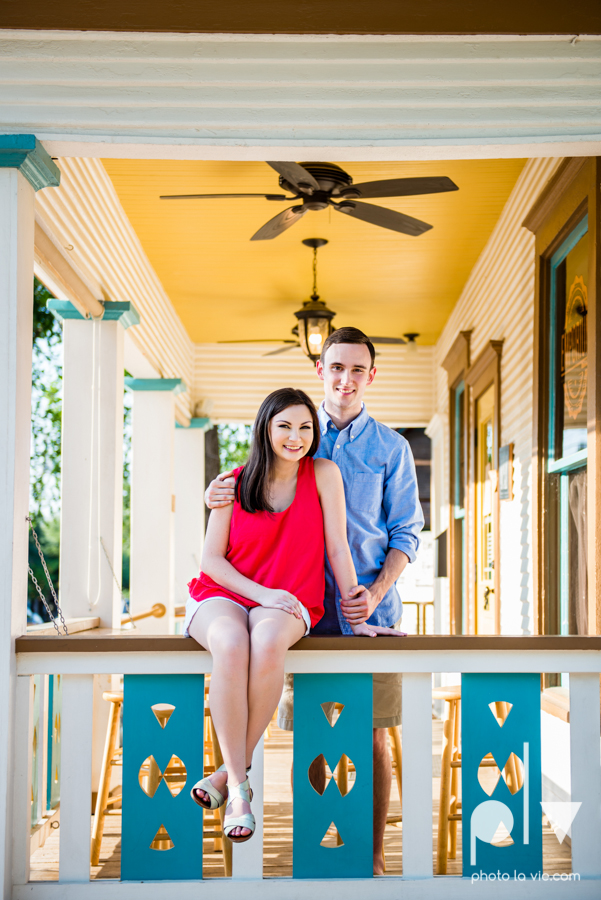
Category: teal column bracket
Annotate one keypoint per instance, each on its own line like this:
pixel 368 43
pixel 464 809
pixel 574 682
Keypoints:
pixel 315 852
pixel 114 311
pixel 163 741
pixel 176 385
pixel 25 153
pixel 502 821
pixel 204 424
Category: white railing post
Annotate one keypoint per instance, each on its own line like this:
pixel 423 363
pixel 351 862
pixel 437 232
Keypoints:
pixel 417 775
pixel 23 746
pixel 189 517
pixel 585 768
pixel 76 778
pixel 247 858
pixel 151 560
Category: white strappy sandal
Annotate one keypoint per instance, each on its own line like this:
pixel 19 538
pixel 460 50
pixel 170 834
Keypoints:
pixel 217 799
pixel 247 820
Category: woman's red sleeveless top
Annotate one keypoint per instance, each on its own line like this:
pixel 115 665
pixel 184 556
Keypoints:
pixel 278 550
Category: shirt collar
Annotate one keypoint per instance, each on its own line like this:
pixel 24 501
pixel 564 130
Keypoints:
pixel 354 428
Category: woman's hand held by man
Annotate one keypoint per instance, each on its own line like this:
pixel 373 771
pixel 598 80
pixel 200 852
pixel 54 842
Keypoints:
pixel 358 606
pixel 358 609
pixel 273 598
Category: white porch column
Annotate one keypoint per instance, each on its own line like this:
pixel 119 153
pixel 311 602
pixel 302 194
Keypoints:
pixel 92 478
pixel 152 499
pixel 92 460
pixel 189 491
pixel 24 168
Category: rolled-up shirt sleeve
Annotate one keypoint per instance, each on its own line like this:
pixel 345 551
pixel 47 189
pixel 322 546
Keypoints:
pixel 404 515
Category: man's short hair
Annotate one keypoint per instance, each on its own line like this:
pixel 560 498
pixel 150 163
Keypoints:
pixel 349 336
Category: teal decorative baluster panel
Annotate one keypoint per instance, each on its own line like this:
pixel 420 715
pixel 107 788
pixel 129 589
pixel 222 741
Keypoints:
pixel 36 756
pixel 55 707
pixel 163 725
pixel 512 805
pixel 318 819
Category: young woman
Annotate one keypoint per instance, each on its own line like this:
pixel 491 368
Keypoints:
pixel 262 587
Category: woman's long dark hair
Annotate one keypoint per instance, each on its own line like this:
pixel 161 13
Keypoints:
pixel 252 486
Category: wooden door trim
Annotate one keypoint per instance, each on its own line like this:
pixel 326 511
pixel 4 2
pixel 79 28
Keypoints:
pixel 573 191
pixel 457 360
pixel 544 206
pixel 484 372
pixel 456 363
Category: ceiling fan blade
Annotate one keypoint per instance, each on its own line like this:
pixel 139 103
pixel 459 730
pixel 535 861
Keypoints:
pixel 279 223
pixel 263 341
pixel 281 350
pixel 385 218
pixel 387 340
pixel 296 175
pixel 222 196
pixel 406 187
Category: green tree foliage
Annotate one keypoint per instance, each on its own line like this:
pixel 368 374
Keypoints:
pixel 234 444
pixel 46 411
pixel 127 422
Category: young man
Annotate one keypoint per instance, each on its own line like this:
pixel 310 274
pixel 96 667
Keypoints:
pixel 384 519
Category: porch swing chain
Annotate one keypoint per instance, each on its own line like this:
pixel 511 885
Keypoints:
pixel 50 585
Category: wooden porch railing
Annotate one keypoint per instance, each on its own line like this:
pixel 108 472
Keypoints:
pixel 80 657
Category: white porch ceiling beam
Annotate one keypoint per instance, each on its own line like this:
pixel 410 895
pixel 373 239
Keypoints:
pixel 60 277
pixel 266 96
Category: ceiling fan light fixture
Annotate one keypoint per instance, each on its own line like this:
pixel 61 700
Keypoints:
pixel 314 326
pixel 411 341
pixel 314 319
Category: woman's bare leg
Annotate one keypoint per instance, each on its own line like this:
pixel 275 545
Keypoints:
pixel 272 632
pixel 222 627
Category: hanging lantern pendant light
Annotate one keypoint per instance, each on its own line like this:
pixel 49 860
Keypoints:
pixel 314 319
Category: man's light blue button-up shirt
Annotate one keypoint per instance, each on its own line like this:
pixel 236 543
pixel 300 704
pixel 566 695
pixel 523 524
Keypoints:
pixel 382 506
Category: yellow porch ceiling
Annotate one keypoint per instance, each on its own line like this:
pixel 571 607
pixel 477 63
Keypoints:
pixel 226 288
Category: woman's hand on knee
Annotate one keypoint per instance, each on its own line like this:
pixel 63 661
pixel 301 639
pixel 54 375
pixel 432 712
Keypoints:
pixel 276 599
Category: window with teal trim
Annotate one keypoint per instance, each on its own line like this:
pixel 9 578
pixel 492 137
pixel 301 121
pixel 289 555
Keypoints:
pixel 567 436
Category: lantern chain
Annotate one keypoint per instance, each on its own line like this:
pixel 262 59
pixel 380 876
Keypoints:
pixel 315 294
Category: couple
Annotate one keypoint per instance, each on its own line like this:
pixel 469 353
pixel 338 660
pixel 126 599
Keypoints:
pixel 263 564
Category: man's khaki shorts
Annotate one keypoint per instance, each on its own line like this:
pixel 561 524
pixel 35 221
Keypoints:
pixel 386 700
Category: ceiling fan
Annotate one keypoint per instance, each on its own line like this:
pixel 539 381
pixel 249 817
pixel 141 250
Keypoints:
pixel 314 321
pixel 316 183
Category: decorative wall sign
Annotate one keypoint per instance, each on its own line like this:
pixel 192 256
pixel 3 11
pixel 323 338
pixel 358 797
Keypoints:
pixel 163 723
pixel 501 811
pixel 574 348
pixel 506 472
pixel 332 835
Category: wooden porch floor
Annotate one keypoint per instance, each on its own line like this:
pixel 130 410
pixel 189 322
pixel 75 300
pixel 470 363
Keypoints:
pixel 278 827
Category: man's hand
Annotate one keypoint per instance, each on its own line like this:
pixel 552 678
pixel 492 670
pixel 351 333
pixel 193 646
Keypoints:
pixel 220 492
pixel 359 605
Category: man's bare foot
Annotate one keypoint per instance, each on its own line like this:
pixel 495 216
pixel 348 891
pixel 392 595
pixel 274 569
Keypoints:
pixel 378 864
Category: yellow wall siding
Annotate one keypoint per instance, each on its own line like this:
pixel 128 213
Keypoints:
pixel 235 378
pixel 498 303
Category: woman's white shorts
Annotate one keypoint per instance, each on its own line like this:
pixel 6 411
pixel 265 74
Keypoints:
pixel 193 605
